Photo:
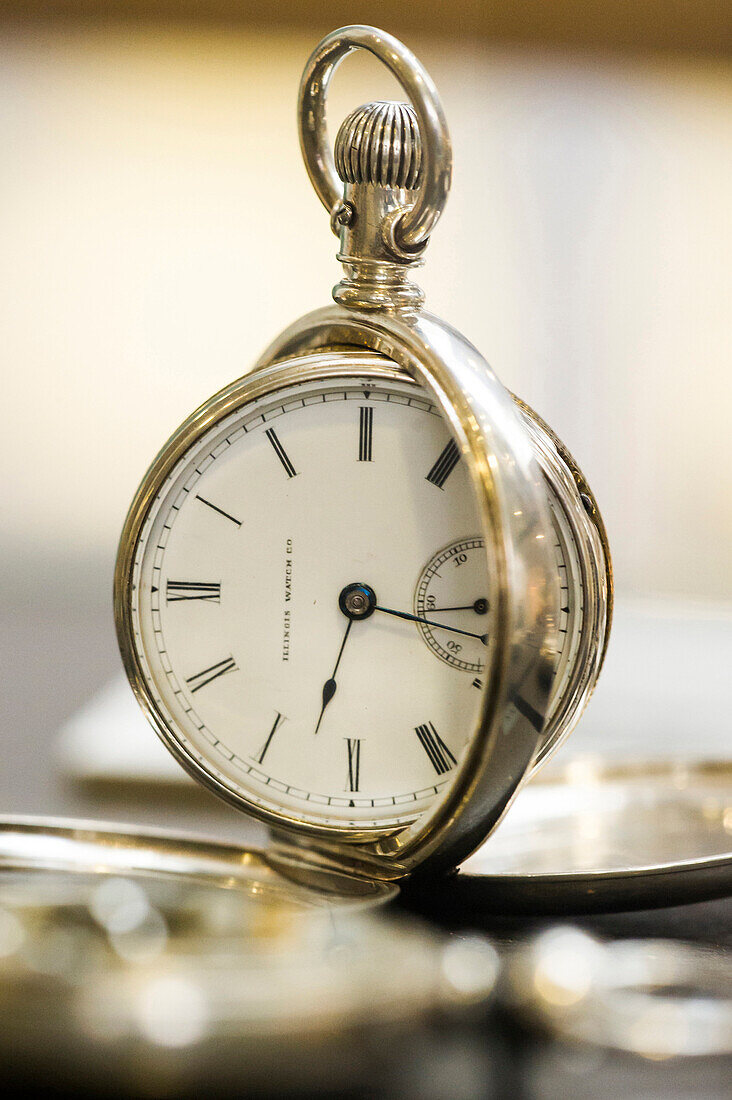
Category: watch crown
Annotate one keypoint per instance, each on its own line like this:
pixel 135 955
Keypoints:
pixel 379 143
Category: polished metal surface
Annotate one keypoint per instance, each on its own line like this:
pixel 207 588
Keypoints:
pixel 380 143
pixel 519 659
pixel 511 501
pixel 595 580
pixel 654 998
pixel 609 837
pixel 137 963
pixel 57 844
pixel 378 155
pixel 414 225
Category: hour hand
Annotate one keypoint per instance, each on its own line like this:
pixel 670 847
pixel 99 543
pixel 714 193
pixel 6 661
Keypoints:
pixel 356 601
pixel 330 685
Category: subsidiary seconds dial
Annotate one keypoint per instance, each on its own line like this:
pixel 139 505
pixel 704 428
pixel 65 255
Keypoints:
pixel 452 589
pixel 451 596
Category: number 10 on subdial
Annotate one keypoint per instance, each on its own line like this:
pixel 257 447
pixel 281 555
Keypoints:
pixel 452 585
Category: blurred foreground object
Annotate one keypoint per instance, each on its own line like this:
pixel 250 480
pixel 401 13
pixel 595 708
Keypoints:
pixel 654 998
pixel 131 962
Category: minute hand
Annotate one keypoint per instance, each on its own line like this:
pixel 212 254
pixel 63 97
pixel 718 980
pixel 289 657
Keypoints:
pixel 431 622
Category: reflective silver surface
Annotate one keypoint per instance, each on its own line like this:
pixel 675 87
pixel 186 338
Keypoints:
pixel 658 999
pixel 587 582
pixel 416 223
pixel 595 837
pixel 49 844
pixel 136 962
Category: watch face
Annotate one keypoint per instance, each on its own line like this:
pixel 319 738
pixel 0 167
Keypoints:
pixel 310 603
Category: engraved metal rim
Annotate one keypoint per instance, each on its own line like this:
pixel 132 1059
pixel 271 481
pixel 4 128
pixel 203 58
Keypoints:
pixel 594 512
pixel 80 846
pixel 414 226
pixel 595 580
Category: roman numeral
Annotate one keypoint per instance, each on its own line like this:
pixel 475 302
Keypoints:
pixel 445 464
pixel 209 674
pixel 221 512
pixel 193 590
pixel 477 683
pixel 365 432
pixel 440 756
pixel 354 762
pixel 280 452
pixel 268 742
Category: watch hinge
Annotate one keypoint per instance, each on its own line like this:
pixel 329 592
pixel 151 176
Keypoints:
pixel 352 860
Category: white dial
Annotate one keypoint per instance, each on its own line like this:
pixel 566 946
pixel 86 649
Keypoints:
pixel 272 602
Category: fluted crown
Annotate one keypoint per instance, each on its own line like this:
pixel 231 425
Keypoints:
pixel 379 143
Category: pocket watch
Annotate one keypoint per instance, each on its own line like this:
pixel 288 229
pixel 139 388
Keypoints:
pixel 364 591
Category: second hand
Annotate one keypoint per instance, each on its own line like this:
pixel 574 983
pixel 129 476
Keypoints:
pixel 480 607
